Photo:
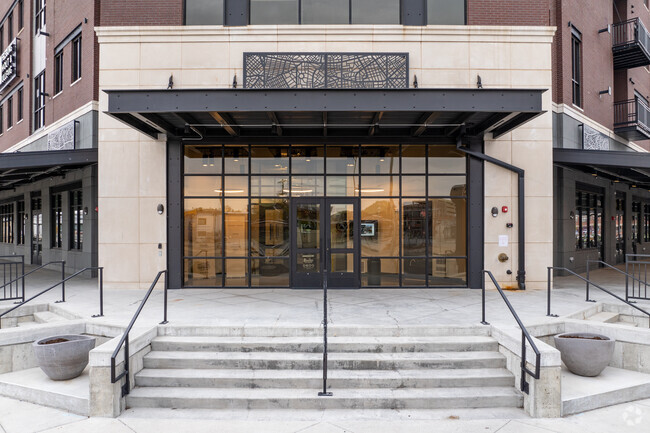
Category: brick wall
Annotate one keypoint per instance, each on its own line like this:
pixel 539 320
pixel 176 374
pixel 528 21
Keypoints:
pixel 141 13
pixel 508 12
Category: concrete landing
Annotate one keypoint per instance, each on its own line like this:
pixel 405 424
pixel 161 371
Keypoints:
pixel 33 386
pixel 612 386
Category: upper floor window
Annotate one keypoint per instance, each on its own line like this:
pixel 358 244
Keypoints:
pixel 39 101
pixel 10 112
pixel 39 15
pixel 324 12
pixel 58 72
pixel 76 58
pixel 19 108
pixel 198 12
pixel 21 10
pixel 10 28
pixel 576 67
pixel 2 38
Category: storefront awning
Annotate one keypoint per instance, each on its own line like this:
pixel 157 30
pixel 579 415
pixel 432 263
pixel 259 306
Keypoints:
pixel 629 167
pixel 213 114
pixel 24 167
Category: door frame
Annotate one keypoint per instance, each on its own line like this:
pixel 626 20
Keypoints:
pixel 324 240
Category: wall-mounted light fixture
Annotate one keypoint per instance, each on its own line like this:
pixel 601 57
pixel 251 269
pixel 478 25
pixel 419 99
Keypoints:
pixel 161 208
pixel 572 215
pixel 495 211
pixel 86 210
pixel 607 91
pixel 607 29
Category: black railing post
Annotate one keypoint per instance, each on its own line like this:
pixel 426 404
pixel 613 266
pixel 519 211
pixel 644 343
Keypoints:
pixel 483 321
pixel 101 293
pixel 127 383
pixel 524 384
pixel 23 274
pixel 62 281
pixel 325 393
pixel 164 322
pixel 588 282
pixel 627 281
pixel 549 272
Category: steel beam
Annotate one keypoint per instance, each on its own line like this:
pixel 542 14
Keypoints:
pixel 226 122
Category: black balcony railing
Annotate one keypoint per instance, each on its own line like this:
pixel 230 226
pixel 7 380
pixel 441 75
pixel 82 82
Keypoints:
pixel 630 44
pixel 632 119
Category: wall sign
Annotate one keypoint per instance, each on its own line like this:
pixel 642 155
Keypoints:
pixel 9 64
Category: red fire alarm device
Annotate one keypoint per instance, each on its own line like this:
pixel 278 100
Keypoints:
pixel 504 209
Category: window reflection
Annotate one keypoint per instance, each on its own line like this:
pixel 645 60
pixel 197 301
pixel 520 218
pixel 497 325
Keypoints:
pixel 379 227
pixel 448 227
pixel 269 228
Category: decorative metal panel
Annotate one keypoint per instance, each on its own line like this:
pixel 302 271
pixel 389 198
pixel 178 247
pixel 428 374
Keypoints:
pixel 594 140
pixel 326 70
pixel 62 138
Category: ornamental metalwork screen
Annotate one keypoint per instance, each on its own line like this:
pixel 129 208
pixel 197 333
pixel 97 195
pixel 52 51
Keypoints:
pixel 326 70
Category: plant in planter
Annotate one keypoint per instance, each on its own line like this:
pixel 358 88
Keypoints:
pixel 63 357
pixel 583 353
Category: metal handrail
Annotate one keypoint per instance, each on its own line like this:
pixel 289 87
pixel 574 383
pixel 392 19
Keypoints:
pixel 34 270
pixel 559 268
pixel 629 262
pixel 627 276
pixel 22 264
pixel 124 341
pixel 62 282
pixel 525 336
pixel 324 392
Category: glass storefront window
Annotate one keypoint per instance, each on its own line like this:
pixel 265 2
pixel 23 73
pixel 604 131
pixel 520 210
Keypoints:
pixel 325 11
pixel 274 11
pixel 203 228
pixel 443 186
pixel 411 202
pixel 379 227
pixel 203 186
pixel 375 11
pixel 269 186
pixel 307 159
pixel 446 12
pixel 269 160
pixel 342 159
pixel 446 159
pixel 203 12
pixel 202 159
pixel 270 227
pixel 380 159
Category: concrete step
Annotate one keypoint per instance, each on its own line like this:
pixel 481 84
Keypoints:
pixel 313 361
pixel 239 398
pixel 335 344
pixel 27 324
pixel 306 379
pixel 47 317
pixel 633 325
pixel 604 316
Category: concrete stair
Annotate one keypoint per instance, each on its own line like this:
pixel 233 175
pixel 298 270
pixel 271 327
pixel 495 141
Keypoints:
pixel 610 317
pixel 47 317
pixel 285 371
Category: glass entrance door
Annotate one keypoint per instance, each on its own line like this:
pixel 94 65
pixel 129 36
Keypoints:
pixel 620 230
pixel 325 239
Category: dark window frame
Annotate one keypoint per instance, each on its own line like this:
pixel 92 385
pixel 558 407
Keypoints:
pixel 20 206
pixel 39 16
pixel 21 12
pixel 58 73
pixel 1 119
pixel 76 219
pixel 636 221
pixel 591 205
pixel 7 223
pixel 19 108
pixel 76 58
pixel 10 112
pixel 39 101
pixel 576 67
pixel 10 27
pixel 56 221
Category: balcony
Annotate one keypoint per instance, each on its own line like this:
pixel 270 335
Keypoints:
pixel 632 119
pixel 630 44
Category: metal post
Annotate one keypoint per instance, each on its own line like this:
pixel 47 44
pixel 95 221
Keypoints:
pixel 588 282
pixel 548 294
pixel 23 274
pixel 127 384
pixel 325 393
pixel 63 281
pixel 627 280
pixel 165 302
pixel 524 384
pixel 483 322
pixel 101 293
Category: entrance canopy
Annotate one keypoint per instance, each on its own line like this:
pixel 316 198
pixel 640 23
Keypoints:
pixel 628 167
pixel 24 167
pixel 213 114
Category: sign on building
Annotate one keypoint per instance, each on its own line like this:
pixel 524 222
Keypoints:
pixel 9 62
pixel 62 138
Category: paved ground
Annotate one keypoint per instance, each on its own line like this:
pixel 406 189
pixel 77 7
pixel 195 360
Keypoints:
pixel 20 417
pixel 387 307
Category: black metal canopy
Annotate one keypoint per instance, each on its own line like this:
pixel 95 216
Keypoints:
pixel 24 167
pixel 213 114
pixel 629 167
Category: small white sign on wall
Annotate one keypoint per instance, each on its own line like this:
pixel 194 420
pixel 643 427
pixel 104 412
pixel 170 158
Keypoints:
pixel 503 240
